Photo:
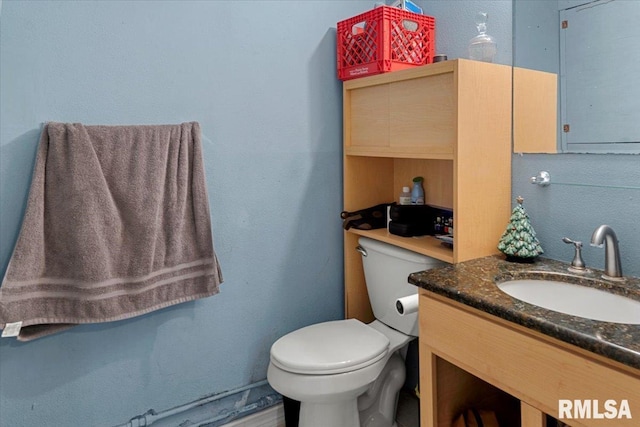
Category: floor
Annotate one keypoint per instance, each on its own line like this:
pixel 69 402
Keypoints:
pixel 408 413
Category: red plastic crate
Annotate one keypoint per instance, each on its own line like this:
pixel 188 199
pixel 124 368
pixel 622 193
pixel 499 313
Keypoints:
pixel 384 39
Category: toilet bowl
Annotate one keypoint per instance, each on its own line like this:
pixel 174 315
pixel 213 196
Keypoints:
pixel 346 373
pixel 334 378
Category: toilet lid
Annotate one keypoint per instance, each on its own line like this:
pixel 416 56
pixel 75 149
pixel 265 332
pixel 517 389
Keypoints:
pixel 329 348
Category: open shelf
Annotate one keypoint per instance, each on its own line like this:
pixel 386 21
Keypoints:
pixel 425 245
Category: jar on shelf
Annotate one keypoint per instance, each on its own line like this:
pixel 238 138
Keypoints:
pixel 417 192
pixel 482 47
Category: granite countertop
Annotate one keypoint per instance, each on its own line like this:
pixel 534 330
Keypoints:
pixel 473 283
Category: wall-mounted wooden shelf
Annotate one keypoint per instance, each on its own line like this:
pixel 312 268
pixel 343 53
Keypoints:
pixel 449 122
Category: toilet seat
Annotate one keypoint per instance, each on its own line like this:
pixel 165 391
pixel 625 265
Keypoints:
pixel 329 348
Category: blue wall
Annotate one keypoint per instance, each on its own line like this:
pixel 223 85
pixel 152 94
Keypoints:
pixel 587 189
pixel 259 76
pixel 455 25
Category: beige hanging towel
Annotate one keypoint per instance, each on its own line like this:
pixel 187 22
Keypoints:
pixel 117 225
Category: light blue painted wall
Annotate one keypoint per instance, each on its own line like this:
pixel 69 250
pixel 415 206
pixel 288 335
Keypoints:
pixel 602 194
pixel 455 25
pixel 583 194
pixel 537 37
pixel 587 189
pixel 259 76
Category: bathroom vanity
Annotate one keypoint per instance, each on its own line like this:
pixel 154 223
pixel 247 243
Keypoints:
pixel 481 348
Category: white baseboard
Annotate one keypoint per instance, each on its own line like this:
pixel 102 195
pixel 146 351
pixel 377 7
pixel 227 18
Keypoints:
pixel 270 417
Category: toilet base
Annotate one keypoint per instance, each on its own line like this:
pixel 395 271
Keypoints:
pixel 375 407
pixel 344 414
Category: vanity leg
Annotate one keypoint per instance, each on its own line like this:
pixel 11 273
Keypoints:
pixel 428 387
pixel 532 417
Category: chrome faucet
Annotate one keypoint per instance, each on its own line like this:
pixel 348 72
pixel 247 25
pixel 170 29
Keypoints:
pixel 612 267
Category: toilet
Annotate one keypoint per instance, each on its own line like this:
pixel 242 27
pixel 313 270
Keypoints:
pixel 346 373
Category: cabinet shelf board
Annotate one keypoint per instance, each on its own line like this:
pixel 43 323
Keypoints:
pixel 394 153
pixel 408 74
pixel 425 245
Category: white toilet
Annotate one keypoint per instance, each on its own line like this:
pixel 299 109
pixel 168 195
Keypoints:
pixel 346 373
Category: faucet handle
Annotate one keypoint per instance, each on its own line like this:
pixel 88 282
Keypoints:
pixel 575 242
pixel 577 263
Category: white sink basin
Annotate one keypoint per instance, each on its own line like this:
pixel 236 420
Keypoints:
pixel 576 300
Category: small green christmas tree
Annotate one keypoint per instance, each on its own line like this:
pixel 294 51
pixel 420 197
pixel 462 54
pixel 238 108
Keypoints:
pixel 519 242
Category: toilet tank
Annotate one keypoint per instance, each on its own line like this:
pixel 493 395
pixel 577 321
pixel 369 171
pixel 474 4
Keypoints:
pixel 386 270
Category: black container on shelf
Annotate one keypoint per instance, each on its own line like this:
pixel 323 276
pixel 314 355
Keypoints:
pixel 420 220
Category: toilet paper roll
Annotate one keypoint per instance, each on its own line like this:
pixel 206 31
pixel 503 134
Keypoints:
pixel 407 305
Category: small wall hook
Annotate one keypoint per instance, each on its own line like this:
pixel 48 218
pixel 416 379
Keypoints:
pixel 543 179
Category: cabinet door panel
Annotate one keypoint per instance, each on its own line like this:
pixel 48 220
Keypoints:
pixel 370 116
pixel 423 113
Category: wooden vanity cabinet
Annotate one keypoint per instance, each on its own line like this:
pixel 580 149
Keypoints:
pixel 469 358
pixel 449 122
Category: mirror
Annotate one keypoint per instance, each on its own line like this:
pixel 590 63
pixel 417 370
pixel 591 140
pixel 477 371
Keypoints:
pixel 592 49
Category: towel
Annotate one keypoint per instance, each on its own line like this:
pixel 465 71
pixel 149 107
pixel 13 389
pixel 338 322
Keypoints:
pixel 117 224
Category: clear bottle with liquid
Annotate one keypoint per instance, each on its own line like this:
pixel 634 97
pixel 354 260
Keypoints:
pixel 405 196
pixel 482 47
